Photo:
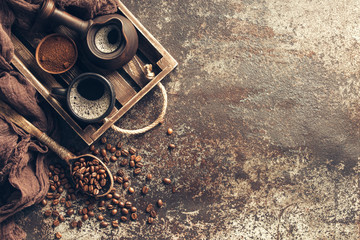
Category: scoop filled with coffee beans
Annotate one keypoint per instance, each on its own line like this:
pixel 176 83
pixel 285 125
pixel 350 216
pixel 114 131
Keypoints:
pixel 88 172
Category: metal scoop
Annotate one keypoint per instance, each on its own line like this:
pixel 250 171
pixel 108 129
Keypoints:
pixel 62 152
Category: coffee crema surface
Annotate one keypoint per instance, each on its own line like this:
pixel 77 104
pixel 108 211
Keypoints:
pixel 89 109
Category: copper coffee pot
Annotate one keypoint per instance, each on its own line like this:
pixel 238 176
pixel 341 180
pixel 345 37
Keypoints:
pixel 109 41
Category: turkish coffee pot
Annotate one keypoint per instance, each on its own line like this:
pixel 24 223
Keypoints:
pixel 109 41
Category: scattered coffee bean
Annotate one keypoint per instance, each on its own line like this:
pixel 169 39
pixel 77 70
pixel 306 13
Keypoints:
pixel 124 162
pixel 119 145
pixel 131 190
pixel 150 220
pixel 125 153
pixel 159 203
pixel 108 146
pixel 44 202
pixel 115 224
pixel 137 171
pixel 121 204
pixel 114 212
pixel 110 206
pixel 116 196
pixel 85 217
pixel 91 213
pixel 70 212
pixel 103 152
pixel 56 223
pixel 103 140
pixel 117 153
pixel 73 224
pixel 114 201
pixel 133 209
pixel 113 158
pixel 132 164
pixel 61 218
pixel 149 208
pixel 120 180
pixel 96 152
pixel 113 149
pixel 124 211
pixel 145 190
pixel 109 196
pixel 100 217
pixel 126 178
pixel 171 146
pixel 128 204
pixel 149 176
pixel 125 185
pixel 134 216
pixel 79 224
pixel 47 213
pixel 55 202
pixel 167 180
pixel 62 200
pixel 92 148
pixel 104 224
pixel 139 165
pixel 169 131
pixel 58 235
pixel 123 218
pixel 138 159
pixel 55 213
pixel 132 151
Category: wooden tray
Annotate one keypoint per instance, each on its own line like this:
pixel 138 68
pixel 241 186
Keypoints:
pixel 129 82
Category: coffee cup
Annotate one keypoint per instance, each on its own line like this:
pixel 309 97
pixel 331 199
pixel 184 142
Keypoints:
pixel 90 97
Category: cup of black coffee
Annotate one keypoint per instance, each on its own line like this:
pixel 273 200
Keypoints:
pixel 90 97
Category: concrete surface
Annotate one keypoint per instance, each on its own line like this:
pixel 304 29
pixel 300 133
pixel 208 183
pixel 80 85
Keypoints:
pixel 265 108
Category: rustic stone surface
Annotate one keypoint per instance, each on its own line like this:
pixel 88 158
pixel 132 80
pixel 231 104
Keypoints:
pixel 265 109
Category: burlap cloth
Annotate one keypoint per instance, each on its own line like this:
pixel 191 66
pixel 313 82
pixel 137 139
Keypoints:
pixel 23 172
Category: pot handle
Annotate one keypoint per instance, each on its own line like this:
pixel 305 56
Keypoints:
pixel 59 91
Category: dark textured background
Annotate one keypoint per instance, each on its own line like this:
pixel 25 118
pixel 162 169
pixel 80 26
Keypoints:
pixel 265 108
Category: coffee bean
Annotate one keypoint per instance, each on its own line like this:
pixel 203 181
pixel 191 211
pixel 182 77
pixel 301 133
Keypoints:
pixel 70 212
pixel 115 224
pixel 58 235
pixel 128 204
pixel 108 146
pixel 55 202
pixel 119 145
pixel 121 204
pixel 103 182
pixel 106 159
pixel 126 178
pixel 73 197
pixel 113 149
pixel 55 213
pixel 159 203
pixel 44 202
pixel 85 217
pixel 49 195
pixel 102 209
pixel 103 224
pixel 153 214
pixel 91 214
pixel 125 153
pixel 150 220
pixel 139 165
pixel 53 188
pixel 149 208
pixel 96 152
pixel 123 218
pixel 149 176
pixel 50 175
pixel 114 201
pixel 47 213
pixel 61 218
pixel 84 211
pixel 62 200
pixel 113 158
pixel 132 164
pixel 131 190
pixel 109 196
pixel 134 216
pixel 116 196
pixel 171 146
pixel 56 223
pixel 124 211
pixel 92 148
pixel 167 180
pixel 137 171
pixel 79 224
pixel 120 180
pixel 125 185
pixel 145 190
pixel 133 209
pixel 124 162
pixel 96 192
pixel 103 152
pixel 73 224
pixel 117 153
pixel 114 212
pixel 132 150
pixel 169 131
pixel 110 206
pixel 132 157
pixel 103 140
pixel 100 217
pixel 138 159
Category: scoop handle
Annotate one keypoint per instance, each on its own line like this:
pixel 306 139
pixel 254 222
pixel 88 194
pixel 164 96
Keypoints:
pixel 11 115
